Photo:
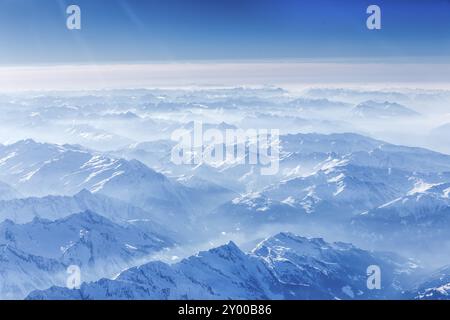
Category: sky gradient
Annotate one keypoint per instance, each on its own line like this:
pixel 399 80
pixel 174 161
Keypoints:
pixel 136 31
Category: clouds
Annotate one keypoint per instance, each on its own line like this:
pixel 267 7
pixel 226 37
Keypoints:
pixel 79 77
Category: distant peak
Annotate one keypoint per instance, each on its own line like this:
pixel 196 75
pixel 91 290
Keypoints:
pixel 288 236
pixel 39 220
pixel 288 239
pixel 84 193
pixel 229 249
pixel 26 142
pixel 88 216
pixel 7 222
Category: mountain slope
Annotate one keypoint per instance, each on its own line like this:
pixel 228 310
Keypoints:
pixel 57 207
pixel 21 272
pixel 433 202
pixel 434 287
pixel 40 169
pixel 282 267
pixel 336 192
pixel 373 109
pixel 86 239
pixel 7 192
pixel 424 212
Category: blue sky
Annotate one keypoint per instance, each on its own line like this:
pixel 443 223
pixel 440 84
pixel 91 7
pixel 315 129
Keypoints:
pixel 128 31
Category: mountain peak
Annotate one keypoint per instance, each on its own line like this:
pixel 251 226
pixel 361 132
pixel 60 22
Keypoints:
pixel 26 142
pixel 227 251
pixel 88 216
pixel 288 236
pixel 84 193
pixel 39 220
pixel 287 241
pixel 230 247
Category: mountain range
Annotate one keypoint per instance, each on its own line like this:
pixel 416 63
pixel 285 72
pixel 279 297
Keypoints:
pixel 284 266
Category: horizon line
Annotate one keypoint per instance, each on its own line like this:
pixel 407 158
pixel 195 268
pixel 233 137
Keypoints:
pixel 232 73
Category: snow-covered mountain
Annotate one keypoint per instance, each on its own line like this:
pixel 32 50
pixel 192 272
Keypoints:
pixel 338 178
pixel 311 150
pixel 344 175
pixel 222 126
pixel 7 192
pixel 205 195
pixel 359 94
pixel 439 137
pixel 282 267
pixel 334 193
pixel 56 207
pixel 40 169
pixel 91 137
pixel 304 104
pixel 339 143
pixel 155 154
pixel 428 201
pixel 338 186
pixel 253 211
pixel 373 109
pixel 424 212
pixel 300 155
pixel 21 272
pixel 402 158
pixel 88 240
pixel 434 287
